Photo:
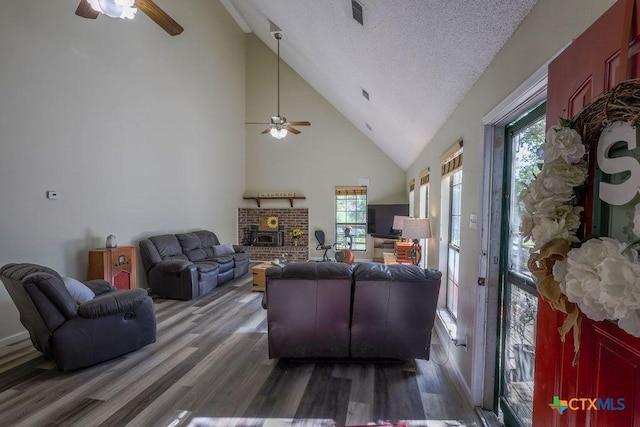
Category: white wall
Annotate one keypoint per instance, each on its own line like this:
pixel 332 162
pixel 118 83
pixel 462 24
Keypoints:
pixel 549 27
pixel 140 132
pixel 330 152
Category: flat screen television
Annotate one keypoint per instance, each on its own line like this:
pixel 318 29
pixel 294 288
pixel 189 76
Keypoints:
pixel 380 219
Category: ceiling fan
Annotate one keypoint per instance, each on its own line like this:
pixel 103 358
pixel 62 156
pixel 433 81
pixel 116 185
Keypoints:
pixel 124 9
pixel 278 125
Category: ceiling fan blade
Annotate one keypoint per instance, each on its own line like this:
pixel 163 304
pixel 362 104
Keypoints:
pixel 267 130
pixel 292 130
pixel 256 123
pixel 159 16
pixel 86 11
pixel 300 123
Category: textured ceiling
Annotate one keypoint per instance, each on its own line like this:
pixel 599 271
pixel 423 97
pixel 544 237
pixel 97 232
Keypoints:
pixel 417 59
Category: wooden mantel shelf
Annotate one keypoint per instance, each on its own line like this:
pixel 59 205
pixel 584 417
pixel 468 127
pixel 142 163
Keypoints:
pixel 258 199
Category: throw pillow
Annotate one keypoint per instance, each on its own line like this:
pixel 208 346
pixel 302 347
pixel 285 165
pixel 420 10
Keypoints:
pixel 78 290
pixel 223 250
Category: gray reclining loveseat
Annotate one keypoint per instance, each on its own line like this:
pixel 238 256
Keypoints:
pixel 187 265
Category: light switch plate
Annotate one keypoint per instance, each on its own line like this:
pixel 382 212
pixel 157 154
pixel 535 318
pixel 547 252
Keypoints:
pixel 473 221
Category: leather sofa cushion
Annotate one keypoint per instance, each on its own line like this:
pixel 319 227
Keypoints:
pixel 112 303
pixel 191 246
pixel 368 271
pixel 18 272
pixel 207 240
pixel 241 256
pixel 206 267
pixel 311 271
pixel 173 266
pixel 223 250
pixel 225 263
pixel 168 246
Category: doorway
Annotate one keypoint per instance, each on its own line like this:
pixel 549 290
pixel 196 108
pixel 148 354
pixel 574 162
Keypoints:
pixel 518 304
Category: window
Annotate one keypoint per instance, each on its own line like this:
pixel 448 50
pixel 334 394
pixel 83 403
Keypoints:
pixel 412 198
pixel 451 168
pixel 351 211
pixel 453 258
pixel 424 211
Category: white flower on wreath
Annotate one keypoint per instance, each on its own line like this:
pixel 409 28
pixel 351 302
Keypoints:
pixel 603 278
pixel 565 143
pixel 559 175
pixel 547 230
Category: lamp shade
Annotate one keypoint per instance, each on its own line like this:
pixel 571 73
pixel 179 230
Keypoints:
pixel 398 221
pixel 417 228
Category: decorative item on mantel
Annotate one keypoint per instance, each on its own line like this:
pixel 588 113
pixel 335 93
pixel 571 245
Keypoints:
pixel 275 195
pixel 296 234
pixel 111 241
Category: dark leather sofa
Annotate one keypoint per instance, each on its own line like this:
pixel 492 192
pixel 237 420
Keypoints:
pixel 75 335
pixel 187 265
pixel 335 310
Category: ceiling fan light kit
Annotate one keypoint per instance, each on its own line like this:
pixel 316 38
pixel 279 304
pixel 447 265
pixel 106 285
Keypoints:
pixel 279 127
pixel 115 8
pixel 278 133
pixel 125 9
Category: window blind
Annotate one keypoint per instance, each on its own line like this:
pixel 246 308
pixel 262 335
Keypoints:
pixel 424 177
pixel 451 160
pixel 345 191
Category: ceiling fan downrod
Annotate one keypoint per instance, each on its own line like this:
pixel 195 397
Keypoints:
pixel 278 36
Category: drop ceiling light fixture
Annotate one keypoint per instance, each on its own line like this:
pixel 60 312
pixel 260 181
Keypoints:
pixel 115 8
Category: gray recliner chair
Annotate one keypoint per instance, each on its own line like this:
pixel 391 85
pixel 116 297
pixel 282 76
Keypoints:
pixel 79 335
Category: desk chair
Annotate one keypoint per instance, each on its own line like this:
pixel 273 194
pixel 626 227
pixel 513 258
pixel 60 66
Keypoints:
pixel 322 244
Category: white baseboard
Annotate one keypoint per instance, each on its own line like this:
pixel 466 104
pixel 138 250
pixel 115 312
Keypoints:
pixel 445 338
pixel 14 338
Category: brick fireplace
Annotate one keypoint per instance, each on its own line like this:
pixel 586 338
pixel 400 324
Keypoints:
pixel 267 244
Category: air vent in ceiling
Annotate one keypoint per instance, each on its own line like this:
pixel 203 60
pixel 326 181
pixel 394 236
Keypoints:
pixel 365 94
pixel 368 126
pixel 357 12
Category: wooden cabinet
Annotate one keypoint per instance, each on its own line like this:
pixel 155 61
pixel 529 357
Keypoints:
pixel 259 276
pixel 405 252
pixel 115 265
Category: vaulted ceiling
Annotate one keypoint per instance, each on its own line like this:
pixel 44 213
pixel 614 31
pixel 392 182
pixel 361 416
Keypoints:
pixel 416 59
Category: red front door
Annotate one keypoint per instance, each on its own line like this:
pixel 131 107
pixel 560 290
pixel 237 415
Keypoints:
pixel 609 364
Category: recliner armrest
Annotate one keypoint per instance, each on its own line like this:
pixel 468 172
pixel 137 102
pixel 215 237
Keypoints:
pixel 173 265
pixel 112 303
pixel 99 286
pixel 239 248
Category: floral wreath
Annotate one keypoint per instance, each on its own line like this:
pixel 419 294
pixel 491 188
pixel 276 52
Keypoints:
pixel 598 278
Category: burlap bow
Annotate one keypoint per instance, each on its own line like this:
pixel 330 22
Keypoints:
pixel 541 266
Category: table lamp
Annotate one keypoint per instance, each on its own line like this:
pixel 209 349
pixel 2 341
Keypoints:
pixel 398 221
pixel 416 229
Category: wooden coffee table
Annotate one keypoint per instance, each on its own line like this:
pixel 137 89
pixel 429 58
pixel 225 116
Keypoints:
pixel 259 276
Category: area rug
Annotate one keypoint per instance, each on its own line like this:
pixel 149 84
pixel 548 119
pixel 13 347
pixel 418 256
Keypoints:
pixel 316 422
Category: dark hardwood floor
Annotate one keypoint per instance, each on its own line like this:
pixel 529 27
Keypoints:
pixel 210 367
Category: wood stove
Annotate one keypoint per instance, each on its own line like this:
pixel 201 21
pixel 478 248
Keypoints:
pixel 267 238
